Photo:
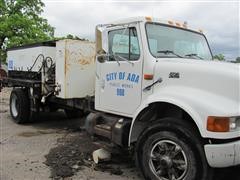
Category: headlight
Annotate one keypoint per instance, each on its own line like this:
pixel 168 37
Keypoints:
pixel 223 124
pixel 234 123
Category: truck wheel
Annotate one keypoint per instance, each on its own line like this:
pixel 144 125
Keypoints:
pixel 71 114
pixel 172 151
pixel 19 106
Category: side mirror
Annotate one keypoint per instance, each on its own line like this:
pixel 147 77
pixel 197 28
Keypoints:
pixel 102 58
pixel 101 43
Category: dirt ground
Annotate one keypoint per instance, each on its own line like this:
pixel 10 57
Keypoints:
pixel 54 147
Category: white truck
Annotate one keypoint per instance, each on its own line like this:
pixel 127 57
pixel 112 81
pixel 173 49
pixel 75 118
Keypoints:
pixel 151 86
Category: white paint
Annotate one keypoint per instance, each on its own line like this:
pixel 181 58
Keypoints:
pixel 24 58
pixel 223 155
pixel 205 88
pixel 107 95
pixel 75 68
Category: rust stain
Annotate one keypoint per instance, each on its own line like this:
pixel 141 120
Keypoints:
pixel 78 57
pixel 67 63
pixel 83 62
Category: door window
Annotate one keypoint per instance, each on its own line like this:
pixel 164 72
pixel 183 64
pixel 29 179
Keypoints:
pixel 124 43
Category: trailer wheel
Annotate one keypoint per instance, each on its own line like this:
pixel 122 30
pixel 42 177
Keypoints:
pixel 172 151
pixel 72 113
pixel 19 106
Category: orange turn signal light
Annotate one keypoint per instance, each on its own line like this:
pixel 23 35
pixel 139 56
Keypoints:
pixel 148 18
pixel 170 22
pixel 218 124
pixel 184 26
pixel 148 76
pixel 178 24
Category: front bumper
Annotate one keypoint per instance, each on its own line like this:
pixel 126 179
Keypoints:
pixel 223 155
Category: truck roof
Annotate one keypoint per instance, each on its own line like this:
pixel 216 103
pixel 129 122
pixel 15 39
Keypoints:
pixel 173 23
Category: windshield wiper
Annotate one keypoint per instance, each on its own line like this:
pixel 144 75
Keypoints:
pixel 193 55
pixel 169 52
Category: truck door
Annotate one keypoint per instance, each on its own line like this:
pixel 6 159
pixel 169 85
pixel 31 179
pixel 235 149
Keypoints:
pixel 121 75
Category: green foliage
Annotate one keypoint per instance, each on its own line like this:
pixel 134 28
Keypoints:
pixel 70 36
pixel 238 60
pixel 21 23
pixel 219 57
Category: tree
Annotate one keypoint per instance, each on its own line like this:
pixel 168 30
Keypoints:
pixel 219 57
pixel 238 60
pixel 70 36
pixel 21 23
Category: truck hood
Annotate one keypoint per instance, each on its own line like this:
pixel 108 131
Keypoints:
pixel 219 78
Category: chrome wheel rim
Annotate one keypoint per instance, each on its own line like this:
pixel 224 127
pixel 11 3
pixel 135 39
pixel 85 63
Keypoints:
pixel 168 160
pixel 14 105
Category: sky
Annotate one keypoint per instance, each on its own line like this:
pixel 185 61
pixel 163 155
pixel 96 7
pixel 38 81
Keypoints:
pixel 219 20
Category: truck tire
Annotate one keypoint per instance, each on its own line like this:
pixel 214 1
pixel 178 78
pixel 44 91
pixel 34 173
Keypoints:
pixel 19 106
pixel 171 150
pixel 72 113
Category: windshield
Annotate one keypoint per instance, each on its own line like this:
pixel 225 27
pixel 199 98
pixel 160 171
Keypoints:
pixel 184 43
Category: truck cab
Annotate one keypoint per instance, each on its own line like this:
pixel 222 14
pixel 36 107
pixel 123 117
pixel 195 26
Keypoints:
pixel 151 86
pixel 162 74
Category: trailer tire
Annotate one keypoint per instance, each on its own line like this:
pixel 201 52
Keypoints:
pixel 169 150
pixel 19 106
pixel 72 113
